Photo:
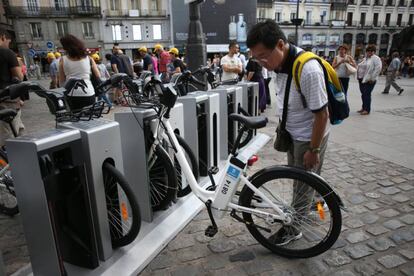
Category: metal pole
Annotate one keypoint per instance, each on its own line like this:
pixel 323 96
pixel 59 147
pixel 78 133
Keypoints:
pixel 196 46
pixel 296 25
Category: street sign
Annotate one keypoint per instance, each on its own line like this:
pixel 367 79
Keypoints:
pixel 31 52
pixel 50 45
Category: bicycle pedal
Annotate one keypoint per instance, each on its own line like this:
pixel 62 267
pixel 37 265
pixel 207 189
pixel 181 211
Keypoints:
pixel 213 170
pixel 211 231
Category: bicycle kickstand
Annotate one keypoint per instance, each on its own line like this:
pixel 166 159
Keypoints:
pixel 211 230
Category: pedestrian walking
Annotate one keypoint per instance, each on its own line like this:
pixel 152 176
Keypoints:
pixel 53 70
pixel 77 64
pixel 231 64
pixel 406 66
pixel 392 72
pixel 163 61
pixel 344 66
pixel 367 74
pixel 308 127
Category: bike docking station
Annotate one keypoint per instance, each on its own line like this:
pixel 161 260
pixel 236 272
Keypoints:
pixel 202 128
pixel 99 144
pixel 231 97
pixel 50 183
pixel 250 97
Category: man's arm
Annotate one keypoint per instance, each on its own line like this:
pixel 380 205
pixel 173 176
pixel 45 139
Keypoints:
pixel 16 72
pixel 114 68
pixel 62 77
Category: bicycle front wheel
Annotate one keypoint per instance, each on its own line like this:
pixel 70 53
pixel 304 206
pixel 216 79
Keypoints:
pixel 183 186
pixel 8 200
pixel 312 206
pixel 123 210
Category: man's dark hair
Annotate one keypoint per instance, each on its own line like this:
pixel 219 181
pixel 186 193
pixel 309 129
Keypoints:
pixel 73 46
pixel 108 56
pixel 5 33
pixel 232 43
pixel 371 47
pixel 268 33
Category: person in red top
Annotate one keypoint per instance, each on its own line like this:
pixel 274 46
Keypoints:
pixel 163 61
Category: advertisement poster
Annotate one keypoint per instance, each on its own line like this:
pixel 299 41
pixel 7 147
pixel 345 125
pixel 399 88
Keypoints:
pixel 223 21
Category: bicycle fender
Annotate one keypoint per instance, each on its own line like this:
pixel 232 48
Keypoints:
pixel 296 170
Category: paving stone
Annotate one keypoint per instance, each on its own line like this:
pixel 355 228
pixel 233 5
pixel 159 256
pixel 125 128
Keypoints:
pixel 398 180
pixel 372 206
pixel 377 230
pixel 215 262
pixel 409 254
pixel 381 244
pixel 372 195
pixel 393 224
pixel 354 223
pixel 368 269
pixel 313 267
pixel 400 198
pixel 386 183
pixel 192 253
pixel 389 213
pixel 402 235
pixel 357 199
pixel 357 236
pixel 181 241
pixel 244 240
pixel 391 261
pixel 188 270
pixel 358 251
pixel 408 219
pixel 287 272
pixel 204 239
pixel 408 271
pixel 336 260
pixel 389 190
pixel 220 246
pixel 344 273
pixel 406 187
pixel 242 256
pixel 344 169
pixel 369 218
pixel 257 267
pixel 163 260
pixel 368 178
pixel 406 208
pixel 339 244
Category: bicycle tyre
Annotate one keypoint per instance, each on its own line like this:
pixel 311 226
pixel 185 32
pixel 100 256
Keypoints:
pixel 247 136
pixel 111 195
pixel 193 163
pixel 278 173
pixel 7 187
pixel 163 179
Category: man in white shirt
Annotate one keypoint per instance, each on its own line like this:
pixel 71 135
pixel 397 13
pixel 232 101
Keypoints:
pixel 231 64
pixel 308 127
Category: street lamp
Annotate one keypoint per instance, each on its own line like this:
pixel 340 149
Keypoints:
pixel 196 46
pixel 297 22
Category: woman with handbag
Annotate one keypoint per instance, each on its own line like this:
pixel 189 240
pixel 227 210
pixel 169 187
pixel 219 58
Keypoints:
pixel 76 64
pixel 344 66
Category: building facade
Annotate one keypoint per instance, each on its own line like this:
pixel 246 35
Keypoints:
pixel 330 23
pixel 135 23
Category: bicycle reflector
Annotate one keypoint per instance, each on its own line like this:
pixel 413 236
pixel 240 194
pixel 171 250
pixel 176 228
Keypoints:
pixel 252 160
pixel 321 211
pixel 124 211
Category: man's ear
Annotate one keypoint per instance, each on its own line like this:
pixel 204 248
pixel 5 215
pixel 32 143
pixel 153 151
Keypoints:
pixel 280 45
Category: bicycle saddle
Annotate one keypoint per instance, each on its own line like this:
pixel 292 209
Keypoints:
pixel 7 115
pixel 250 122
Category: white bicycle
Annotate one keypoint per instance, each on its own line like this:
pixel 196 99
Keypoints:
pixel 288 210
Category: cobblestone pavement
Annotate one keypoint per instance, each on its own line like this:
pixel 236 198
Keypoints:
pixel 403 112
pixel 377 236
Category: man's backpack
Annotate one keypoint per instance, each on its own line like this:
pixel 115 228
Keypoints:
pixel 337 103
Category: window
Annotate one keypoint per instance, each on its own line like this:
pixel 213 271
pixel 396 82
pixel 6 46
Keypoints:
pixel 387 19
pixel 362 21
pixel 156 31
pixel 62 28
pixel 308 17
pixel 154 5
pixel 323 16
pixel 399 19
pixel 116 32
pixel 32 6
pixel 375 20
pixel 349 19
pixel 85 5
pixel 320 39
pixel 292 15
pixel 410 19
pixel 278 16
pixel 136 32
pixel 372 39
pixel 87 29
pixel 59 5
pixel 262 13
pixel 135 5
pixel 36 30
pixel 114 5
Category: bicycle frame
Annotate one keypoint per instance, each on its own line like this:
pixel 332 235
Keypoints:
pixel 229 180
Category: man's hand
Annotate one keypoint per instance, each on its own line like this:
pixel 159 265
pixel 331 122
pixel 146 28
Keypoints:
pixel 310 160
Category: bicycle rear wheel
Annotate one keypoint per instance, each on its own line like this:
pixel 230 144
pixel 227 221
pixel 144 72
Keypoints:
pixel 163 180
pixel 302 196
pixel 123 209
pixel 8 200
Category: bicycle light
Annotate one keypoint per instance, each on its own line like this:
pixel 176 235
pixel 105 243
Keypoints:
pixel 252 160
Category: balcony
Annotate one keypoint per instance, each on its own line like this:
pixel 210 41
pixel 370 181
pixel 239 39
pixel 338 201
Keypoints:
pixel 116 13
pixel 339 5
pixel 352 2
pixel 402 3
pixel 337 23
pixel 310 23
pixel 153 13
pixel 365 3
pixel 267 4
pixel 390 3
pixel 378 2
pixel 25 12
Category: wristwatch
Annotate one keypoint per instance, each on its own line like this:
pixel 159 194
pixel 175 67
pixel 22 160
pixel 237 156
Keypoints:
pixel 315 150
